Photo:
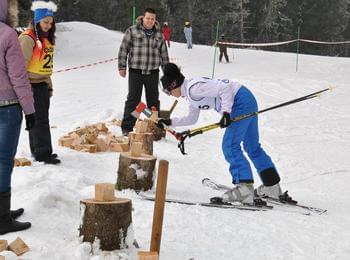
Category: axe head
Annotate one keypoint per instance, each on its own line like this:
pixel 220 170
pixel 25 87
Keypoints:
pixel 139 109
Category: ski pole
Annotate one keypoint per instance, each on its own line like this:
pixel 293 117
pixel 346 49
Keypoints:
pixel 192 132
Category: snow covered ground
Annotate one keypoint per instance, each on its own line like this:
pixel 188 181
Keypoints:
pixel 309 142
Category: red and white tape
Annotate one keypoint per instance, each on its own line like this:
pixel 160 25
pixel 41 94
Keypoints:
pixel 98 63
pixel 257 44
pixel 279 43
pixel 87 65
pixel 320 42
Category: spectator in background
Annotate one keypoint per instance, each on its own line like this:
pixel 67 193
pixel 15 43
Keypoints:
pixel 144 48
pixel 37 44
pixel 223 49
pixel 15 95
pixel 188 34
pixel 166 33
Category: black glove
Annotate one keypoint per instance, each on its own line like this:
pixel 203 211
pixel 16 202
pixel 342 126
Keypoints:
pixel 30 121
pixel 225 120
pixel 161 121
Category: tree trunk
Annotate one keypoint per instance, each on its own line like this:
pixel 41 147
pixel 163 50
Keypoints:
pixel 135 172
pixel 107 221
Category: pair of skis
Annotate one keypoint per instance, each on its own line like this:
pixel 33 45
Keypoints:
pixel 260 204
pixel 284 200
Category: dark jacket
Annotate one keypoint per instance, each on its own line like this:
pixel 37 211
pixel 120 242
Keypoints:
pixel 145 53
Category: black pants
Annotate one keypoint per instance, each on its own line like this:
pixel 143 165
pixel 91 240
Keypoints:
pixel 136 82
pixel 39 135
pixel 224 52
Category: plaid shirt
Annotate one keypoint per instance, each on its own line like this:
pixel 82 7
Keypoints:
pixel 142 52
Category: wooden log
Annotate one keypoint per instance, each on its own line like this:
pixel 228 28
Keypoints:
pixel 106 221
pixel 90 148
pixel 18 246
pixel 22 162
pixel 3 245
pixel 144 255
pixel 146 139
pixel 101 145
pixel 65 141
pixel 136 149
pixel 101 127
pixel 119 147
pixel 142 126
pixel 104 192
pixel 91 138
pixel 135 172
pixel 159 205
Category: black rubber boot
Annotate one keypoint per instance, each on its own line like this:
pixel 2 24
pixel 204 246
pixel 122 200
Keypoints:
pixel 16 213
pixel 7 223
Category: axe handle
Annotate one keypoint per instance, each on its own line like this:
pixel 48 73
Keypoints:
pixel 173 106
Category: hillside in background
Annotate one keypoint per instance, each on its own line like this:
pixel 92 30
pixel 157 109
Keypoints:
pixel 309 143
pixel 240 20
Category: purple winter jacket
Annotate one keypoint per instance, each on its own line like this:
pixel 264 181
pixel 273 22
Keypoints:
pixel 14 83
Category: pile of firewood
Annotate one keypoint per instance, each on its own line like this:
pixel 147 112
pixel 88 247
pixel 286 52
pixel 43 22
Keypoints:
pixel 94 138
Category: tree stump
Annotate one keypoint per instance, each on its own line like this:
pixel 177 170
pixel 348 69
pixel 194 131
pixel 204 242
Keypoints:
pixel 145 138
pixel 107 221
pixel 135 172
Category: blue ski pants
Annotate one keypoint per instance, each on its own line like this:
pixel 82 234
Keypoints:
pixel 246 132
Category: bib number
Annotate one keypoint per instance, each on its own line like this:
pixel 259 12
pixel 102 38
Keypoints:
pixel 48 61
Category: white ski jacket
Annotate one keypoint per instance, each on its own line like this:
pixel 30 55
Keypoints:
pixel 204 94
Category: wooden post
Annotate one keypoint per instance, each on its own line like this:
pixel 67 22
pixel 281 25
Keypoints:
pixel 158 213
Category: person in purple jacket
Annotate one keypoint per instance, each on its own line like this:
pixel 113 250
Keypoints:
pixel 15 96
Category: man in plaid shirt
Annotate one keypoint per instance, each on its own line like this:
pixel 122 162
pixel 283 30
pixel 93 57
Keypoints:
pixel 144 47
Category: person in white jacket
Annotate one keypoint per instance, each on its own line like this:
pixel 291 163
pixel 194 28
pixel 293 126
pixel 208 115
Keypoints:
pixel 230 99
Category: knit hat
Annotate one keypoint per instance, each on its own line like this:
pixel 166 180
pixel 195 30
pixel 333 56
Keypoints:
pixel 166 23
pixel 41 10
pixel 172 77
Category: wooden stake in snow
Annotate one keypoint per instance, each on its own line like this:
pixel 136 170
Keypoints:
pixel 159 204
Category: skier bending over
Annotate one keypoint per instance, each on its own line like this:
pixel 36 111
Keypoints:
pixel 231 99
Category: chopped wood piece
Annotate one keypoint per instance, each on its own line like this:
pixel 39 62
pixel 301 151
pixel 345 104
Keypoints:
pixel 18 246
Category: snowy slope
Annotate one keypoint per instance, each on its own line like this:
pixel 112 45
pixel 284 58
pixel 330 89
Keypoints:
pixel 309 142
